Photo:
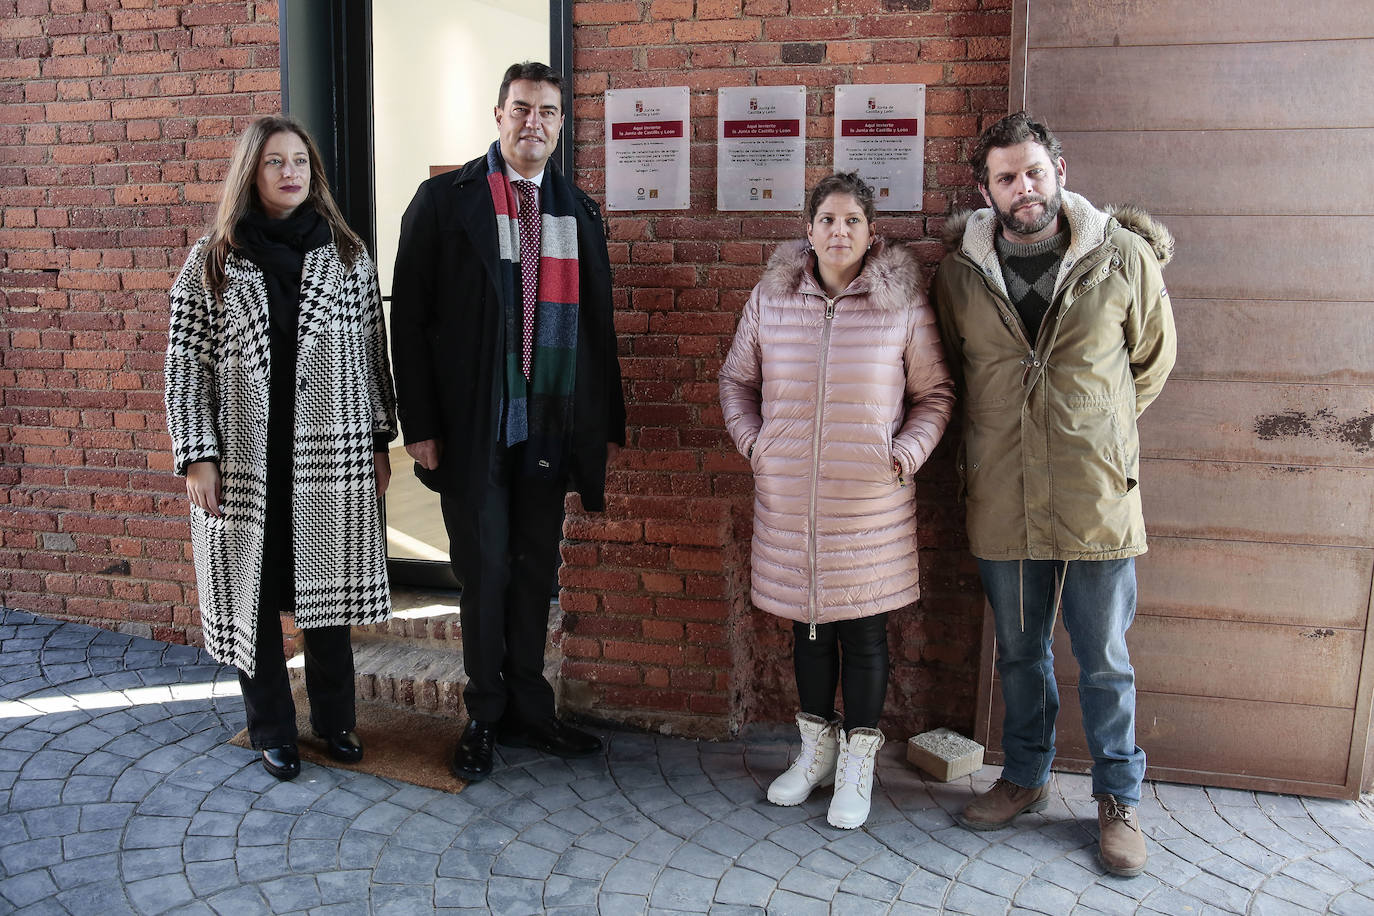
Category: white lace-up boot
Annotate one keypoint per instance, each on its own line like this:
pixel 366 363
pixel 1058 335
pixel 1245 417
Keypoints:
pixel 814 766
pixel 854 778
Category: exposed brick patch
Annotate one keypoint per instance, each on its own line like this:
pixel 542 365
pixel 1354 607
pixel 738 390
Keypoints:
pixel 682 281
pixel 117 128
pixel 803 53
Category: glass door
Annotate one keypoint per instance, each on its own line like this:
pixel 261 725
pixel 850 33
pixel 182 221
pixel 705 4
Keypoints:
pixel 396 91
pixel 436 70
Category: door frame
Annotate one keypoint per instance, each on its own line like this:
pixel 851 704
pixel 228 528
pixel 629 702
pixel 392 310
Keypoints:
pixel 326 84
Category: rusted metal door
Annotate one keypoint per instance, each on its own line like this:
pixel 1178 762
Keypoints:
pixel 1247 129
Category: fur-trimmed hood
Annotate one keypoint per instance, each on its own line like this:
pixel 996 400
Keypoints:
pixel 1135 218
pixel 891 275
pixel 972 232
pixel 952 233
pixel 1129 216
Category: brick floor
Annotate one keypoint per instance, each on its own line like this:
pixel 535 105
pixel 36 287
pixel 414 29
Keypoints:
pixel 118 794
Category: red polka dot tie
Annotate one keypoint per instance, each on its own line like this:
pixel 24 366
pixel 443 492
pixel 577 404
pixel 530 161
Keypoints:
pixel 529 269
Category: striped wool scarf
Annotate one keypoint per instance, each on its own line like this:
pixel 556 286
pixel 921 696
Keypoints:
pixel 539 411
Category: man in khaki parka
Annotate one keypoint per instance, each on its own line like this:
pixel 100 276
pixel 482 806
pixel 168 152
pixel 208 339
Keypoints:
pixel 1060 334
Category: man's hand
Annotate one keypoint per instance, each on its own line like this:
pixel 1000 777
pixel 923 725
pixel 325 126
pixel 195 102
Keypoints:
pixel 381 466
pixel 427 452
pixel 612 451
pixel 203 486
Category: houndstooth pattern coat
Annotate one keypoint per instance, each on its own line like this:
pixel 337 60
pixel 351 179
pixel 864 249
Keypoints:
pixel 217 400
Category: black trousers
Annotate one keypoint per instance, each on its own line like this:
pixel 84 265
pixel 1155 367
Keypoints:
pixel 850 654
pixel 504 550
pixel 328 683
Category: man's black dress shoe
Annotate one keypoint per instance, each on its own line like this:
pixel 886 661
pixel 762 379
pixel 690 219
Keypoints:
pixel 282 762
pixel 552 737
pixel 345 746
pixel 472 758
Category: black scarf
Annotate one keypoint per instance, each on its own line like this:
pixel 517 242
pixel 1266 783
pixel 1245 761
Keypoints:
pixel 278 246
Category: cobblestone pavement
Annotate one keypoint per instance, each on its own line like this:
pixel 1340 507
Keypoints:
pixel 118 794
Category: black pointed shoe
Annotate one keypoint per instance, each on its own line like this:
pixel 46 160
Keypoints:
pixel 472 757
pixel 344 746
pixel 552 737
pixel 282 762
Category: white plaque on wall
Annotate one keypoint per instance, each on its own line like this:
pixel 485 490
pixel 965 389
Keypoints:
pixel 761 153
pixel 646 149
pixel 880 132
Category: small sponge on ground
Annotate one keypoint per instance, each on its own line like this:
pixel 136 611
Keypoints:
pixel 944 754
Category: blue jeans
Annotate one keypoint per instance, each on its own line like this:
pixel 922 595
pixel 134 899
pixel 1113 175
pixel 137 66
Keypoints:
pixel 1098 598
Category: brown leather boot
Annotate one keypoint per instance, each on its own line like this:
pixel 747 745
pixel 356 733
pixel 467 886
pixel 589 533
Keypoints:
pixel 999 805
pixel 1121 849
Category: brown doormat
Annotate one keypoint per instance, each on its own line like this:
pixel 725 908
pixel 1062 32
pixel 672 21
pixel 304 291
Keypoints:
pixel 398 743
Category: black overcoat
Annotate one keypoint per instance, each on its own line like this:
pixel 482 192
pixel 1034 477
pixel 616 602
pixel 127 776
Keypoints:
pixel 448 336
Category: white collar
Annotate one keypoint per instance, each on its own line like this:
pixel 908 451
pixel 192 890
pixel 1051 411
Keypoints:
pixel 515 176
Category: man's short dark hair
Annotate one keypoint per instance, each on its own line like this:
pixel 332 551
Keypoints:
pixel 1013 130
pixel 530 70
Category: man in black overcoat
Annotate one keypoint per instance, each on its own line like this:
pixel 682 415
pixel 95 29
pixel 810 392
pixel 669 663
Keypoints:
pixel 509 396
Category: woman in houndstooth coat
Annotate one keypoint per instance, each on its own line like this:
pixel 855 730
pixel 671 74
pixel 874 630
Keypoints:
pixel 280 406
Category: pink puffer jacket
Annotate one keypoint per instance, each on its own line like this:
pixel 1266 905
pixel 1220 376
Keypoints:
pixel 828 395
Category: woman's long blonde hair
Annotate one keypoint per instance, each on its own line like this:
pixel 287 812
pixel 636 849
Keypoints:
pixel 240 194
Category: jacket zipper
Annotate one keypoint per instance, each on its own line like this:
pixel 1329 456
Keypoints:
pixel 1009 318
pixel 815 463
pixel 1012 320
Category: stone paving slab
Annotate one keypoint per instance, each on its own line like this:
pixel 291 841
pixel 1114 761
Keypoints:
pixel 119 795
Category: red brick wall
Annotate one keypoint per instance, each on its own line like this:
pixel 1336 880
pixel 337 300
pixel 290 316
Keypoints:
pixel 116 120
pixel 657 616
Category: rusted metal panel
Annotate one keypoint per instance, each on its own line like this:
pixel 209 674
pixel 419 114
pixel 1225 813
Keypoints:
pixel 1071 23
pixel 1360 774
pixel 1258 340
pixel 1253 642
pixel 1259 502
pixel 1277 747
pixel 1205 87
pixel 1265 583
pixel 1323 425
pixel 1216 172
pixel 1240 743
pixel 1367 784
pixel 1016 88
pixel 1314 666
pixel 1285 257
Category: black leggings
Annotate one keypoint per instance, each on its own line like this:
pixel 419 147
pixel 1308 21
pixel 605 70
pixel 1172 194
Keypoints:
pixel 848 653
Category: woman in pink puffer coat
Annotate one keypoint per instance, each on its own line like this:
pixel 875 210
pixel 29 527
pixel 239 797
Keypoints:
pixel 836 390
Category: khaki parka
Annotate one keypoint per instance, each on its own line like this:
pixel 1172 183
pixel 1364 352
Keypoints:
pixel 1051 454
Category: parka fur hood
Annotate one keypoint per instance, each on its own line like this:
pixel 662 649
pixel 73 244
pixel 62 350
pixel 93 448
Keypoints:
pixel 836 402
pixel 889 274
pixel 1147 227
pixel 1129 216
pixel 1089 228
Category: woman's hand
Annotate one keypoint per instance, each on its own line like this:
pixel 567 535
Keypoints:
pixel 381 466
pixel 203 486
